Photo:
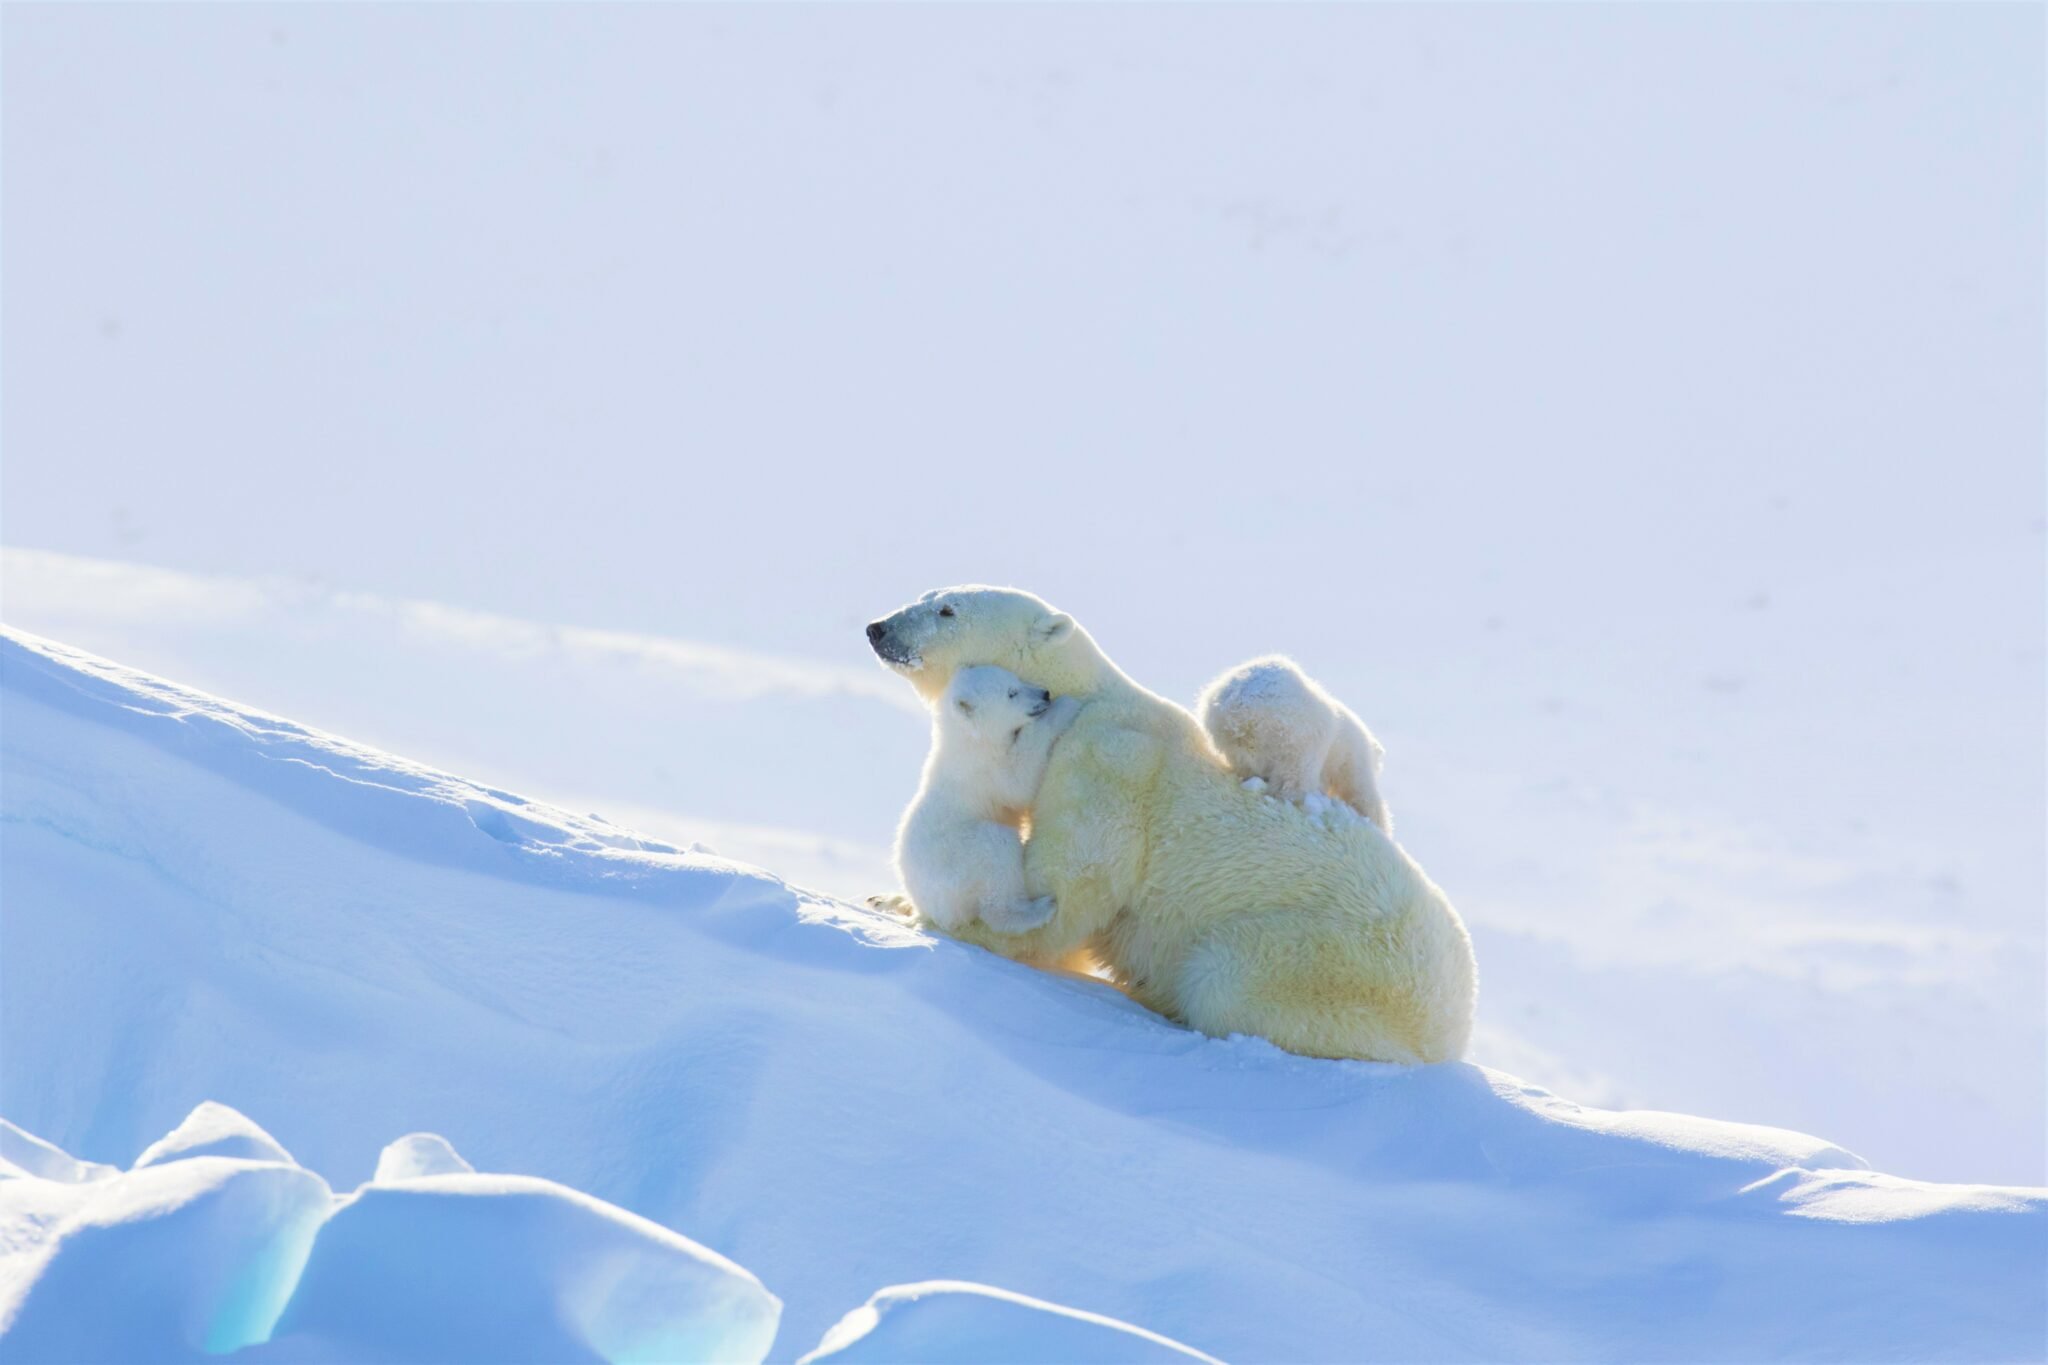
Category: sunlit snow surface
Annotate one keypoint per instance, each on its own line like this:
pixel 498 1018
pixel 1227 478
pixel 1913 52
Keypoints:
pixel 1640 950
pixel 205 903
pixel 202 1254
pixel 951 1323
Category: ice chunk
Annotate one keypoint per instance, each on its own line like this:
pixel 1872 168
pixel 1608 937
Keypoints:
pixel 504 1268
pixel 941 1322
pixel 418 1154
pixel 214 1130
pixel 23 1153
pixel 199 1254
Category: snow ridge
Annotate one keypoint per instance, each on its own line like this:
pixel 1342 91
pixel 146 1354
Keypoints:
pixel 205 903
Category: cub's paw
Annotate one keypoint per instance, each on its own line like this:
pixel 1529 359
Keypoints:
pixel 892 904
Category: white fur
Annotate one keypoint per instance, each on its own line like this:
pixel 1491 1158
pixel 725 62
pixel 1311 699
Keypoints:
pixel 1273 722
pixel 959 851
pixel 1211 904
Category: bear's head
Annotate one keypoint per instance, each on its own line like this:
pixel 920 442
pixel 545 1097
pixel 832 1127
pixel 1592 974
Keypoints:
pixel 950 629
pixel 991 705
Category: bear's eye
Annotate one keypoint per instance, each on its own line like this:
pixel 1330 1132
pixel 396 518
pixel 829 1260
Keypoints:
pixel 948 611
pixel 1013 694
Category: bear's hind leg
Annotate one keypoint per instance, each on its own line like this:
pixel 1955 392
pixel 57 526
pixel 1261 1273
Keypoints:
pixel 1283 976
pixel 1017 915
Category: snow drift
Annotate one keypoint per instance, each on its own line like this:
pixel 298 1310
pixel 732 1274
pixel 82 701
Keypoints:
pixel 495 1269
pixel 206 903
pixel 183 1258
pixel 945 1322
pixel 209 1253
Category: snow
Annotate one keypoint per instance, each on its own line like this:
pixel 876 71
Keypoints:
pixel 1820 959
pixel 417 1155
pixel 496 1269
pixel 195 1256
pixel 210 1254
pixel 222 905
pixel 26 1154
pixel 946 1322
pixel 214 1130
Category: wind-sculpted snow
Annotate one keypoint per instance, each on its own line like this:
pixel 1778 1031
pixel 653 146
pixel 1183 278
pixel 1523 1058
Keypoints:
pixel 946 1322
pixel 416 1155
pixel 214 1130
pixel 496 1269
pixel 196 1255
pixel 26 1154
pixel 205 903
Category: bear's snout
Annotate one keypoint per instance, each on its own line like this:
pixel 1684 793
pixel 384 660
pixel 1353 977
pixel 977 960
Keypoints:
pixel 888 648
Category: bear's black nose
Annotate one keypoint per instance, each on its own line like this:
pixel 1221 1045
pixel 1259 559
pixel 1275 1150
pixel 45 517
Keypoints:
pixel 876 630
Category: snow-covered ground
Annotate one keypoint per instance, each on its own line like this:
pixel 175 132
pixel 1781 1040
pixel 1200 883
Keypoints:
pixel 707 1091
pixel 1840 970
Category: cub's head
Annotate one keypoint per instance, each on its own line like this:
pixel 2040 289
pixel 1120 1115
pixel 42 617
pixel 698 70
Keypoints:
pixel 942 632
pixel 991 704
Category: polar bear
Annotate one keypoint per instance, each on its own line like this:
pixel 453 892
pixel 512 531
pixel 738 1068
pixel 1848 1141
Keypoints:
pixel 1206 902
pixel 959 851
pixel 1273 722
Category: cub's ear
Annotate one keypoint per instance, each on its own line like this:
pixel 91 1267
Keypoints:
pixel 966 706
pixel 1053 626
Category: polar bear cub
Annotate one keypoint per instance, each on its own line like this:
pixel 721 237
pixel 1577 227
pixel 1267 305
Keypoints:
pixel 959 851
pixel 1273 722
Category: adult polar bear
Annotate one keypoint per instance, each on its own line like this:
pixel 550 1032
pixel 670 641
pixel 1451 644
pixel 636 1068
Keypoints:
pixel 1211 904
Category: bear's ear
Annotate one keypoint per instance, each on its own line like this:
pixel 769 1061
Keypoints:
pixel 1052 627
pixel 966 706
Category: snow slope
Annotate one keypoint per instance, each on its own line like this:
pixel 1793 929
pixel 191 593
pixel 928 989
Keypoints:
pixel 212 1252
pixel 951 1321
pixel 203 902
pixel 1644 947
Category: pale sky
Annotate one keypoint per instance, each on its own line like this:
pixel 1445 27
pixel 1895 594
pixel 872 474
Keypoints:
pixel 1496 361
